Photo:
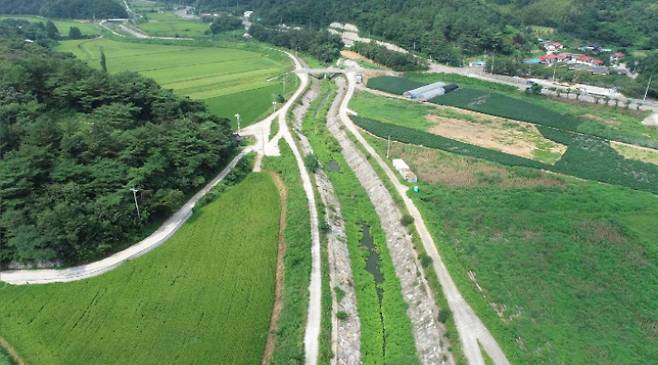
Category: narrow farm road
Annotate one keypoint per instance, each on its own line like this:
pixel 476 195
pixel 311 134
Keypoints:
pixel 472 331
pixel 166 230
pixel 312 331
pixel 345 333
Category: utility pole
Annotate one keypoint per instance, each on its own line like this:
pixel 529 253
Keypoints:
pixel 388 148
pixel 237 116
pixel 647 90
pixel 135 190
pixel 493 62
pixel 554 70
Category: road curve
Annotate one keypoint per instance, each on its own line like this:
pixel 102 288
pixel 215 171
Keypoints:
pixel 472 332
pixel 157 238
pixel 314 314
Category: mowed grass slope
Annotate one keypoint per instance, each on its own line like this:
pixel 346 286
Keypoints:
pixel 204 297
pixel 229 80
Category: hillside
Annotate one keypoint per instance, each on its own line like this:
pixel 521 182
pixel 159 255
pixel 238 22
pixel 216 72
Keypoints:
pixel 65 9
pixel 74 140
pixel 448 29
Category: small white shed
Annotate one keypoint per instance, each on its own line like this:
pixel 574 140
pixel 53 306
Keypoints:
pixel 405 171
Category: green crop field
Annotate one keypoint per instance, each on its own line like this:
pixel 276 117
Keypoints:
pixel 229 80
pixel 568 268
pixel 204 297
pixel 587 156
pixel 607 122
pixel 167 24
pixel 393 85
pixel 63 25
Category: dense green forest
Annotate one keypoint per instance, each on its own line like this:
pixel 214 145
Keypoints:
pixel 73 9
pixel 73 140
pixel 448 29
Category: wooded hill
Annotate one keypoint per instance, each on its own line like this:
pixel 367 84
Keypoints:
pixel 64 9
pixel 448 29
pixel 73 140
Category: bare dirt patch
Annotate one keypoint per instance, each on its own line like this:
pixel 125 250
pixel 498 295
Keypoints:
pixel 596 118
pixel 633 152
pixel 515 138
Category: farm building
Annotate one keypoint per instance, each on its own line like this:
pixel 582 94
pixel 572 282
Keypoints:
pixel 430 91
pixel 404 170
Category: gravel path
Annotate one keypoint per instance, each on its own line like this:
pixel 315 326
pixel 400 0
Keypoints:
pixel 422 309
pixel 472 332
pixel 345 334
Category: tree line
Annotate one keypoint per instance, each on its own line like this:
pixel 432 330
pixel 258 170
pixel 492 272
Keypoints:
pixel 396 60
pixel 74 140
pixel 65 9
pixel 318 43
pixel 448 30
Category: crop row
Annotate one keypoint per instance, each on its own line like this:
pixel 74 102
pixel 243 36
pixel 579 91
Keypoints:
pixel 393 85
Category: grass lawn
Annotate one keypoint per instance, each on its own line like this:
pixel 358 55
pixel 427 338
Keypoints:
pixel 63 25
pixel 568 269
pixel 167 24
pixel 206 296
pixel 229 80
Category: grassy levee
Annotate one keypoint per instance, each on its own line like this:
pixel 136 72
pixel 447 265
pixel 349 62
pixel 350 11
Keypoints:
pixel 326 351
pixel 234 78
pixel 205 296
pixel 289 348
pixel 386 336
pixel 568 264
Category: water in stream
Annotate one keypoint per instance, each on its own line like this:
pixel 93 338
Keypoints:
pixel 372 266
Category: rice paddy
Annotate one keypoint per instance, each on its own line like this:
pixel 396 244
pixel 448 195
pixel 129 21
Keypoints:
pixel 230 80
pixel 205 297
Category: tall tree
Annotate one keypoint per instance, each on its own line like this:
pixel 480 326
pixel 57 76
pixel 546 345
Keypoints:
pixel 75 33
pixel 103 60
pixel 52 30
